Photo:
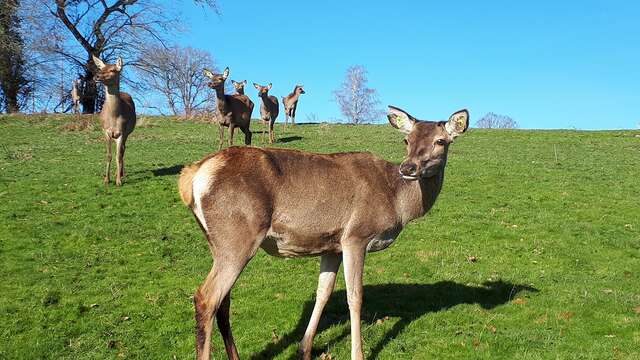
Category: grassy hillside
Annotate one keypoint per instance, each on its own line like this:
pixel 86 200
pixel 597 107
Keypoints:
pixel 532 251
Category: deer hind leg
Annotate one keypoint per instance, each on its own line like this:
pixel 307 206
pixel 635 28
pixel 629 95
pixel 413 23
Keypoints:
pixel 353 257
pixel 209 298
pixel 264 130
pixel 329 265
pixel 222 317
pixel 107 174
pixel 119 159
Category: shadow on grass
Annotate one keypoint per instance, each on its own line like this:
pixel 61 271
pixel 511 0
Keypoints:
pixel 288 139
pixel 172 170
pixel 405 301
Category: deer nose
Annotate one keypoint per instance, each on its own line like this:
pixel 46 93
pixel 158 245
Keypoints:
pixel 408 169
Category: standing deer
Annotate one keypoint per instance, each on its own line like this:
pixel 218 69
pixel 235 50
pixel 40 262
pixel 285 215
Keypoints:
pixel 75 96
pixel 349 204
pixel 290 103
pixel 233 110
pixel 239 86
pixel 118 115
pixel 268 109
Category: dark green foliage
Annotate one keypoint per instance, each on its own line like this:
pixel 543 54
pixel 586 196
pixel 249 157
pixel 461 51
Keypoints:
pixel 13 82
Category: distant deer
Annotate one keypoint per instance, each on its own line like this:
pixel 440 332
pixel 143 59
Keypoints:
pixel 268 109
pixel 233 110
pixel 239 86
pixel 348 204
pixel 290 103
pixel 118 115
pixel 75 96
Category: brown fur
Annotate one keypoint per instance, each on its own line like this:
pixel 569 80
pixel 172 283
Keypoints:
pixel 293 203
pixel 185 183
pixel 269 110
pixel 233 110
pixel 118 115
pixel 290 104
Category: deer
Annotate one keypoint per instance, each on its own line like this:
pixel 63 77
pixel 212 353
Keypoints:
pixel 290 103
pixel 350 204
pixel 75 96
pixel 268 109
pixel 118 115
pixel 233 110
pixel 239 86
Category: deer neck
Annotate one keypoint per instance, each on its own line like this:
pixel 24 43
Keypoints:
pixel 221 101
pixel 112 98
pixel 265 98
pixel 294 97
pixel 415 198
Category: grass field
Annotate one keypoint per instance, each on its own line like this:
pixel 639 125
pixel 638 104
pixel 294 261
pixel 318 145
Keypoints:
pixel 532 251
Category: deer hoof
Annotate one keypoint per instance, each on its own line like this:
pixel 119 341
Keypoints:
pixel 106 180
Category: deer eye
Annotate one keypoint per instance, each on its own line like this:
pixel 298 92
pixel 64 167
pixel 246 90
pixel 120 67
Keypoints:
pixel 441 142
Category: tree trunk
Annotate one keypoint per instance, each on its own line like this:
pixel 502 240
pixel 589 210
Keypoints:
pixel 90 94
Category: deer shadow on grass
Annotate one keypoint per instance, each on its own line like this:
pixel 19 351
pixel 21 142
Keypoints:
pixel 288 139
pixel 405 301
pixel 171 170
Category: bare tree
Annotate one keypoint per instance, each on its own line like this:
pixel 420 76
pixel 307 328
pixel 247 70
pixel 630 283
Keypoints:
pixel 496 121
pixel 176 74
pixel 74 30
pixel 358 103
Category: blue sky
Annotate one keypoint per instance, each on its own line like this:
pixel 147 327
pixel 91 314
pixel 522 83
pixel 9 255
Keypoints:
pixel 547 64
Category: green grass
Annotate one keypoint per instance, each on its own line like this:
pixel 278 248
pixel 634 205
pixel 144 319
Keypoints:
pixel 95 272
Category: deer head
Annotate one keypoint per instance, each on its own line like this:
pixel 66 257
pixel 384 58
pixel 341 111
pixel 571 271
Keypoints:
pixel 298 90
pixel 108 74
pixel 239 86
pixel 217 80
pixel 427 141
pixel 262 90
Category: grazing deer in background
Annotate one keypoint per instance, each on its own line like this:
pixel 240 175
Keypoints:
pixel 118 115
pixel 349 204
pixel 290 103
pixel 268 109
pixel 233 110
pixel 239 86
pixel 75 96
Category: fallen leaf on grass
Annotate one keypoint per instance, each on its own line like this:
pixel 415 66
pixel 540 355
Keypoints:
pixel 381 321
pixel 565 315
pixel 472 259
pixel 324 356
pixel 607 291
pixel 519 301
pixel 274 336
pixel 94 305
pixel 492 329
pixel 541 320
pixel 636 309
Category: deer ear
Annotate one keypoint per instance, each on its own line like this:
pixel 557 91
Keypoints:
pixel 244 82
pixel 99 63
pixel 119 64
pixel 400 119
pixel 207 73
pixel 256 86
pixel 458 123
pixel 269 86
pixel 234 82
pixel 225 73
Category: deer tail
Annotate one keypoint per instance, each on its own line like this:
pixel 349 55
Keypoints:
pixel 185 183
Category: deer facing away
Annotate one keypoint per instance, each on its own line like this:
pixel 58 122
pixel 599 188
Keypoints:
pixel 268 109
pixel 350 204
pixel 118 115
pixel 290 103
pixel 233 110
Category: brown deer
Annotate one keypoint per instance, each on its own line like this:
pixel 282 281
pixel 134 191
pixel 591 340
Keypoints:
pixel 290 103
pixel 118 115
pixel 349 204
pixel 268 109
pixel 75 96
pixel 239 86
pixel 233 110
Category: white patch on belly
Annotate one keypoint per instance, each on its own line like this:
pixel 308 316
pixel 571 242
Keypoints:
pixel 382 241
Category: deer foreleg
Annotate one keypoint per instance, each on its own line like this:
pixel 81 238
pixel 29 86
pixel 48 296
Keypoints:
pixel 119 159
pixel 232 129
pixel 353 257
pixel 329 265
pixel 108 141
pixel 221 135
